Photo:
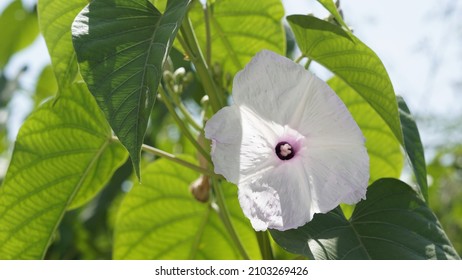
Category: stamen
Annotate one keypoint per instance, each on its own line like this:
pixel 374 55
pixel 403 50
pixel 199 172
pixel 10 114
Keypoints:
pixel 284 151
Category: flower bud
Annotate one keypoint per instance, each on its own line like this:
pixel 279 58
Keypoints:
pixel 200 188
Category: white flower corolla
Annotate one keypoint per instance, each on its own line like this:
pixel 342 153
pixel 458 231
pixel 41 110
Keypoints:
pixel 289 144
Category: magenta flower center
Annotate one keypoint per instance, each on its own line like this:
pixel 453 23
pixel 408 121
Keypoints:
pixel 284 150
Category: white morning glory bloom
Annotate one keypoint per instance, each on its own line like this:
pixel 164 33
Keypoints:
pixel 289 144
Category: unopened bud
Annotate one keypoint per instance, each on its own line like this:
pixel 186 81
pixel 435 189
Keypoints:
pixel 168 76
pixel 200 188
pixel 179 73
pixel 204 99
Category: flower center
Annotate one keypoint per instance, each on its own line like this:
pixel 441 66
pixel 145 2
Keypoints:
pixel 284 150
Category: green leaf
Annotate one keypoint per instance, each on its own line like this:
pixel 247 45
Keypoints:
pixel 121 47
pixel 239 29
pixel 352 61
pixel 413 146
pixel 55 19
pixel 160 219
pixel 19 29
pixel 392 223
pixel 332 8
pixel 64 154
pixel 47 86
pixel 386 158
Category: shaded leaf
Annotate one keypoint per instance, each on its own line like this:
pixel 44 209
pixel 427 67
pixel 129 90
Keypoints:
pixel 386 158
pixel 352 61
pixel 413 146
pixel 19 29
pixel 160 219
pixel 121 47
pixel 64 154
pixel 392 223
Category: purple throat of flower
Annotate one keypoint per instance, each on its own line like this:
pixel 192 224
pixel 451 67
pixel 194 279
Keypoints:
pixel 284 150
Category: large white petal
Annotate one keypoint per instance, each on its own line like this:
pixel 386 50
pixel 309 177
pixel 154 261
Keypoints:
pixel 322 115
pixel 279 198
pixel 336 174
pixel 224 129
pixel 272 86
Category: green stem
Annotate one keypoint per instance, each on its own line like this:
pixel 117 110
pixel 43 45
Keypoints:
pixel 192 48
pixel 173 158
pixel 299 58
pixel 225 217
pixel 181 124
pixel 208 41
pixel 265 245
pixel 308 63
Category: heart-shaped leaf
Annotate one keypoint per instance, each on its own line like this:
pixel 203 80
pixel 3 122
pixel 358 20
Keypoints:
pixel 352 61
pixel 392 223
pixel 121 47
pixel 160 219
pixel 64 154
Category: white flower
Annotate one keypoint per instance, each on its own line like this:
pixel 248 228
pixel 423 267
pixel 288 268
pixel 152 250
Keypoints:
pixel 289 143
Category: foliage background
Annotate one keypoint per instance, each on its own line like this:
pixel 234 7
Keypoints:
pixel 86 233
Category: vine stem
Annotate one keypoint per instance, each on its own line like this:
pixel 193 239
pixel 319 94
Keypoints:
pixel 265 245
pixel 182 126
pixel 298 59
pixel 308 63
pixel 208 45
pixel 173 158
pixel 225 217
pixel 191 46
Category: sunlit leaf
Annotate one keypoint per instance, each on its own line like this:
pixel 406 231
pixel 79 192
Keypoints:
pixel 413 146
pixel 64 154
pixel 121 47
pixel 352 61
pixel 160 219
pixel 392 223
pixel 386 158
pixel 238 30
pixel 19 29
pixel 47 86
pixel 55 19
pixel 332 8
